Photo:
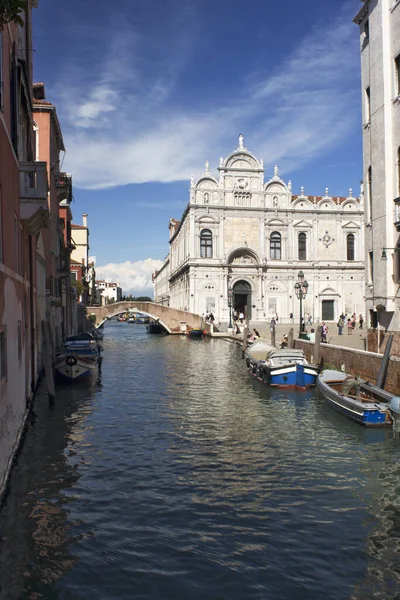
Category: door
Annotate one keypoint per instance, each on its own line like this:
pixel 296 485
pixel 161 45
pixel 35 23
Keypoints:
pixel 328 310
pixel 242 297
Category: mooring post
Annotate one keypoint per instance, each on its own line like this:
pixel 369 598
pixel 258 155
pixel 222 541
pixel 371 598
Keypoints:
pixel 290 343
pixel 317 345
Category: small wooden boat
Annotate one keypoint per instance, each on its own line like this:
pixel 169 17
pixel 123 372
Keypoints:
pixel 359 400
pixel 79 358
pixel 280 368
pixel 195 333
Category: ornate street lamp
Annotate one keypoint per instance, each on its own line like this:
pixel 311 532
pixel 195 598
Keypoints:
pixel 230 294
pixel 301 287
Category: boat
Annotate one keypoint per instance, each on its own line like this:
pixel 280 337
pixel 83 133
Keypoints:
pixel 142 320
pixel 79 358
pixel 359 400
pixel 280 367
pixel 195 333
pixel 155 327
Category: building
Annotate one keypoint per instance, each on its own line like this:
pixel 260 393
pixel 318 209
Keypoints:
pixel 379 22
pixel 57 242
pixel 23 218
pixel 108 292
pixel 242 242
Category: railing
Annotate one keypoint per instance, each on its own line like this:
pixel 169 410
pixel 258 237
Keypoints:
pixel 64 187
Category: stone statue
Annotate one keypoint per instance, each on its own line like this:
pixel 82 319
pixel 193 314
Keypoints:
pixel 290 186
pixel 276 171
pixel 302 190
pixel 221 161
pixel 192 181
pixel 207 172
pixel 326 192
pixel 241 141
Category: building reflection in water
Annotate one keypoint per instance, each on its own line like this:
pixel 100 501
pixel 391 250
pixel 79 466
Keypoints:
pixel 35 530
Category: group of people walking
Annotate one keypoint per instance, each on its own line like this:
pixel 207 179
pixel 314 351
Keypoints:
pixel 350 323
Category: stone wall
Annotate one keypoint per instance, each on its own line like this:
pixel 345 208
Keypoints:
pixel 357 362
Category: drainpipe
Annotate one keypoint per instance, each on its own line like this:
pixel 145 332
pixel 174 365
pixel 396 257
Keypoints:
pixel 32 316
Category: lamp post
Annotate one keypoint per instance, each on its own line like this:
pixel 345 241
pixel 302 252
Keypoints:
pixel 301 288
pixel 230 306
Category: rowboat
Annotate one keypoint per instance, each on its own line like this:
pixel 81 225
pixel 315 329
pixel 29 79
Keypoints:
pixel 154 327
pixel 359 400
pixel 280 368
pixel 79 358
pixel 195 333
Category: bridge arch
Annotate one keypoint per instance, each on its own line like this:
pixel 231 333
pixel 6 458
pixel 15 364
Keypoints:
pixel 174 321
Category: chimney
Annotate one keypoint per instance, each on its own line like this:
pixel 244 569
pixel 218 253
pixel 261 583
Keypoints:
pixel 84 217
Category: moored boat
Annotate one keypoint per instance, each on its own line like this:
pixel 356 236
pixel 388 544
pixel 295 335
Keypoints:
pixel 195 333
pixel 359 400
pixel 79 358
pixel 280 368
pixel 154 327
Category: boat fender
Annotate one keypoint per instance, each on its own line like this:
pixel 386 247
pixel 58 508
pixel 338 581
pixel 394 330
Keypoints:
pixel 71 361
pixel 394 405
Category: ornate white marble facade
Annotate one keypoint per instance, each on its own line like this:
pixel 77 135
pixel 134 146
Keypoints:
pixel 241 232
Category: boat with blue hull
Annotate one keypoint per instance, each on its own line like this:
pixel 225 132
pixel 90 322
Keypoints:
pixel 80 357
pixel 280 368
pixel 359 400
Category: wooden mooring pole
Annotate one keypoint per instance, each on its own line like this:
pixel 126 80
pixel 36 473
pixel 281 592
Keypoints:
pixel 47 361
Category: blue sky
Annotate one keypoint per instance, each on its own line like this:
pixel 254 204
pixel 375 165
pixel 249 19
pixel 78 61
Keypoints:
pixel 148 90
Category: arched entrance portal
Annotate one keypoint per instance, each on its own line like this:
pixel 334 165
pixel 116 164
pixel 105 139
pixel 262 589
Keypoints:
pixel 242 297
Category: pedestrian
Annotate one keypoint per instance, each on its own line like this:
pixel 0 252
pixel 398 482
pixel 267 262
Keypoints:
pixel 211 318
pixel 361 321
pixel 311 336
pixel 354 321
pixel 349 327
pixel 235 315
pixel 309 322
pixel 291 317
pixel 276 317
pixel 241 316
pixel 340 324
pixel 324 332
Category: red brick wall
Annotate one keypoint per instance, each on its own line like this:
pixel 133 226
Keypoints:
pixel 372 341
pixel 357 362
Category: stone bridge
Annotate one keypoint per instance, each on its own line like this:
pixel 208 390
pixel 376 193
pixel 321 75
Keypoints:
pixel 174 321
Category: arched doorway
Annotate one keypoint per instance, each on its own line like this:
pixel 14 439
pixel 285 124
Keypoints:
pixel 242 297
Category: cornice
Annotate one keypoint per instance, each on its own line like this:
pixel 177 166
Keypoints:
pixel 360 16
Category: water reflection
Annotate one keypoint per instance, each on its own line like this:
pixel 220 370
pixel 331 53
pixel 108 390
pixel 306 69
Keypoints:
pixel 182 476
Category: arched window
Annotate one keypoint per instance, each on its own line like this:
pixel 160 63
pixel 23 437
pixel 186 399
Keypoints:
pixel 206 243
pixel 302 245
pixel 275 245
pixel 206 198
pixel 398 170
pixel 350 246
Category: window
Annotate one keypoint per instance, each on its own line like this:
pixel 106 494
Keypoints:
pixel 1 74
pixel 350 246
pixel 206 198
pixel 398 171
pixel 367 104
pixel 3 354
pixel 302 245
pixel 206 244
pixel 16 243
pixel 369 184
pixel 19 340
pixel 1 230
pixel 371 267
pixel 397 69
pixel 366 31
pixel 275 246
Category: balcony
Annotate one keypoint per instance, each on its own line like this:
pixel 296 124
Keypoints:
pixel 64 188
pixel 33 190
pixel 397 213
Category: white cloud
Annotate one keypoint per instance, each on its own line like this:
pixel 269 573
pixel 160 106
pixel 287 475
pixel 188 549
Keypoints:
pixel 133 277
pixel 127 129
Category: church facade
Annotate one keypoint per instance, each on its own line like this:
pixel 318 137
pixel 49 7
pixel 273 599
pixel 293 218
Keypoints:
pixel 242 242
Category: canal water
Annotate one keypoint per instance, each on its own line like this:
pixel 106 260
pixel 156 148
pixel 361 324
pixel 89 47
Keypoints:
pixel 178 475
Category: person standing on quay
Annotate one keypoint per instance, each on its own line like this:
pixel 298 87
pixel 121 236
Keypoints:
pixel 341 324
pixel 349 327
pixel 272 328
pixel 361 321
pixel 241 316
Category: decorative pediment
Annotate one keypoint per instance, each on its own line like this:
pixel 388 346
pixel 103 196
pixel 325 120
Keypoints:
pixel 328 292
pixel 273 187
pixel 351 225
pixel 245 256
pixel 303 224
pixel 206 219
pixel 302 202
pixel 350 204
pixel 206 183
pixel 326 204
pixel 276 223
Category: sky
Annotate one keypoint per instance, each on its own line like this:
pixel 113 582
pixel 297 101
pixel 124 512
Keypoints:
pixel 147 90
